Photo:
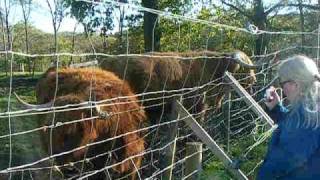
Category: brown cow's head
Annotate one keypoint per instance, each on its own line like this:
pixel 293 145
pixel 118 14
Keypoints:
pixel 241 66
pixel 246 72
pixel 69 134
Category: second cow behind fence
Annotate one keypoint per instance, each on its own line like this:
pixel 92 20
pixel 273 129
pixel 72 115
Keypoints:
pixel 104 125
pixel 160 71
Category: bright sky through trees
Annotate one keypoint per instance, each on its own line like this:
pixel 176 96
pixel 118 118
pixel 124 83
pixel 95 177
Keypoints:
pixel 40 16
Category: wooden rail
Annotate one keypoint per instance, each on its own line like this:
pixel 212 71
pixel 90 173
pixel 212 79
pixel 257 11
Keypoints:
pixel 205 138
pixel 248 99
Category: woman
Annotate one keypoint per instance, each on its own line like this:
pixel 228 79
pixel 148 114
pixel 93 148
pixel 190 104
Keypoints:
pixel 294 149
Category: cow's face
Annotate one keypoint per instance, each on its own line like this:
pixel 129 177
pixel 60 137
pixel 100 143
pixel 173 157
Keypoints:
pixel 247 78
pixel 250 81
pixel 69 129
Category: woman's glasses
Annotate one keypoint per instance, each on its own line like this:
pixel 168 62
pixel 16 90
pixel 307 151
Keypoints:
pixel 284 82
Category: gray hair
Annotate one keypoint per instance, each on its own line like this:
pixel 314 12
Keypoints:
pixel 304 72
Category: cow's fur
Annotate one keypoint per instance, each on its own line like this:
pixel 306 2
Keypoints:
pixel 76 86
pixel 165 70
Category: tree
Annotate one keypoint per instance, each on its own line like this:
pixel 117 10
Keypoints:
pixel 260 15
pixel 73 43
pixel 301 22
pixel 3 34
pixel 5 21
pixel 152 30
pixel 121 21
pixel 98 17
pixel 57 13
pixel 151 27
pixel 92 16
pixel 26 7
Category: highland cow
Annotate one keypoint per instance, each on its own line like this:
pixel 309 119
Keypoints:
pixel 121 115
pixel 170 70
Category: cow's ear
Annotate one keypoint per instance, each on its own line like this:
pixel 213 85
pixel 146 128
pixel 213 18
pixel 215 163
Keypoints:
pixel 88 112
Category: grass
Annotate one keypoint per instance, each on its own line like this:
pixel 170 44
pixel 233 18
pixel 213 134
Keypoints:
pixel 24 148
pixel 216 170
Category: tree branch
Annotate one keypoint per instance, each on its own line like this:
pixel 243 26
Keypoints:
pixel 278 5
pixel 236 8
pixel 282 4
pixel 308 6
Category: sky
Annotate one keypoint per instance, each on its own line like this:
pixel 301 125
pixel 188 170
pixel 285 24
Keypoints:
pixel 40 17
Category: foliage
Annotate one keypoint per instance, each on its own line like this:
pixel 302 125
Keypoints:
pixel 93 16
pixel 183 36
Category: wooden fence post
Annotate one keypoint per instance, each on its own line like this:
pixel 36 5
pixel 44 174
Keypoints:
pixel 171 149
pixel 248 99
pixel 193 161
pixel 211 144
pixel 226 112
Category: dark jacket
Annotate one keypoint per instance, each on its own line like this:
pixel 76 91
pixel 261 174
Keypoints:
pixel 293 152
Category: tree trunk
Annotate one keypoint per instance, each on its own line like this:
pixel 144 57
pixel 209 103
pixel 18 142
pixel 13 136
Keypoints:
pixel 33 67
pixel 151 27
pixel 25 19
pixel 121 29
pixel 3 39
pixel 318 13
pixel 73 44
pixel 260 21
pixel 303 40
pixel 8 45
pixel 56 15
pixel 27 44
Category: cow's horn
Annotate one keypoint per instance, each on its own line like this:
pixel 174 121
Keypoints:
pixel 240 57
pixel 33 106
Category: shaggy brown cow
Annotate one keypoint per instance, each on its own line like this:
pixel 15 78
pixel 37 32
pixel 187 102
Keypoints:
pixel 125 115
pixel 171 70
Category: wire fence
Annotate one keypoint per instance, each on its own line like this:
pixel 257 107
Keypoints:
pixel 95 127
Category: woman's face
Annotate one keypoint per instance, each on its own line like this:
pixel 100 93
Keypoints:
pixel 291 90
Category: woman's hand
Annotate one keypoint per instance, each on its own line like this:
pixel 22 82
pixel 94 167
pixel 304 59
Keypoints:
pixel 272 97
